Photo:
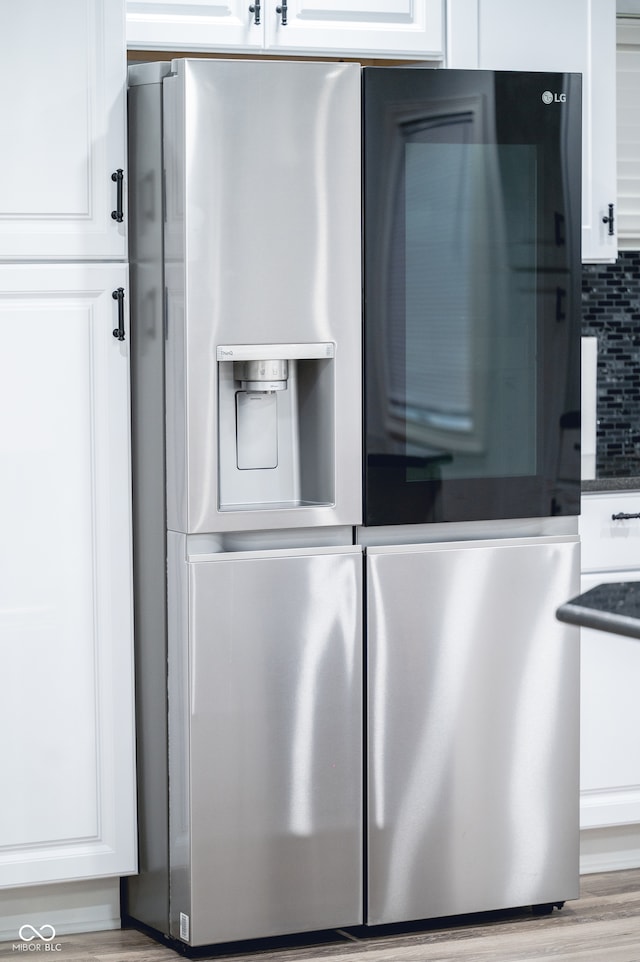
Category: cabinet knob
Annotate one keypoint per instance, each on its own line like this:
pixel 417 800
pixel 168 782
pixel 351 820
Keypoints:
pixel 623 516
pixel 282 10
pixel 255 10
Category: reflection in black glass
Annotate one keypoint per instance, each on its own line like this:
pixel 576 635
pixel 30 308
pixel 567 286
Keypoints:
pixel 462 372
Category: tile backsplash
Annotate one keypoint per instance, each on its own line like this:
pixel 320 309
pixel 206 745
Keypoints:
pixel 611 312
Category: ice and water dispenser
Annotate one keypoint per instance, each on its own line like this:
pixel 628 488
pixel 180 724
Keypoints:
pixel 276 425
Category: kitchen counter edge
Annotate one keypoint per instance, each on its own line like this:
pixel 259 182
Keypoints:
pixel 601 485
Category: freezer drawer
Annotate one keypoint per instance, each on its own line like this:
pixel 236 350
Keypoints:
pixel 472 727
pixel 266 744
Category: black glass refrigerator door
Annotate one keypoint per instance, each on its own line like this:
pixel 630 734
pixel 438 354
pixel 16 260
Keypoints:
pixel 472 196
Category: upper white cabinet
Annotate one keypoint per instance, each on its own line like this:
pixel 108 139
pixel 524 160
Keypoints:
pixel 628 131
pixel 386 28
pixel 571 36
pixel 67 809
pixel 197 25
pixel 62 116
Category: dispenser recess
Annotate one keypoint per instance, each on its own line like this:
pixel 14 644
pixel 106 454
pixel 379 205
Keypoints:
pixel 276 426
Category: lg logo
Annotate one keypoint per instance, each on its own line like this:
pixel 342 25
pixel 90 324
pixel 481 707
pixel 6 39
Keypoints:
pixel 550 98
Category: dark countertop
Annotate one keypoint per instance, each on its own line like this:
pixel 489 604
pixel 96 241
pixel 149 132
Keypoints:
pixel 611 607
pixel 611 484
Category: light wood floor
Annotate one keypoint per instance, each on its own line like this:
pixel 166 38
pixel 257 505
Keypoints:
pixel 602 926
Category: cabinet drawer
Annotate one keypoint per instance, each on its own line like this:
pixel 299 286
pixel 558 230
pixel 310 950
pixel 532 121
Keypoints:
pixel 609 543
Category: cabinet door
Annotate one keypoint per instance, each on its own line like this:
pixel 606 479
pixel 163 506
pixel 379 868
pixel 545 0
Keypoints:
pixel 386 28
pixel 195 24
pixel 67 808
pixel 389 28
pixel 63 133
pixel 610 531
pixel 473 727
pixel 572 36
pixel 609 721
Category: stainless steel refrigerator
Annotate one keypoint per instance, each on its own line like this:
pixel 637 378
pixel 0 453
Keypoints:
pixel 351 717
pixel 246 334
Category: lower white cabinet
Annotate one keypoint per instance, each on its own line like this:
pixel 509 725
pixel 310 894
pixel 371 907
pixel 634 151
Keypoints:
pixel 610 669
pixel 67 807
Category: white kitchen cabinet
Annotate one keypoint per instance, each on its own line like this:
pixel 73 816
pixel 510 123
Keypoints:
pixel 68 798
pixel 201 25
pixel 572 36
pixel 62 116
pixel 374 28
pixel 610 668
pixel 628 130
